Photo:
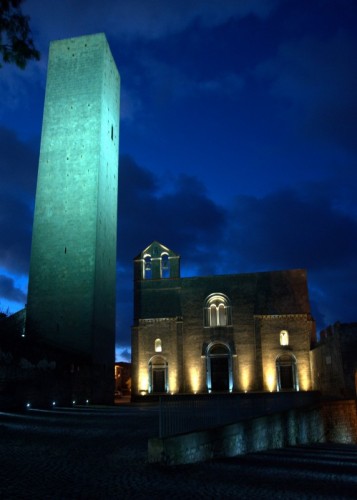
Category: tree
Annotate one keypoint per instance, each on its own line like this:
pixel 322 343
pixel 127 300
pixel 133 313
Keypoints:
pixel 4 313
pixel 16 43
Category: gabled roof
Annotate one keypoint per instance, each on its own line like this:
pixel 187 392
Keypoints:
pixel 155 248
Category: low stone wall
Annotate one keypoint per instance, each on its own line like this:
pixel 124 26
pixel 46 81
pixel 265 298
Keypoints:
pixel 330 422
pixel 340 419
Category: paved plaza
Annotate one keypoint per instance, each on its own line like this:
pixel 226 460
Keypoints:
pixel 92 453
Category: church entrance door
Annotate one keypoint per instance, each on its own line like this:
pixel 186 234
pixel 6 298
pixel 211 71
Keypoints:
pixel 219 367
pixel 158 374
pixel 158 380
pixel 219 374
pixel 286 378
pixel 286 371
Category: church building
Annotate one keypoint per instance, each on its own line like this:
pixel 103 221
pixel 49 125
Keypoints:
pixel 227 333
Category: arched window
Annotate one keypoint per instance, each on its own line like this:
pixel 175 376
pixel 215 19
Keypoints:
pixel 165 266
pixel 147 267
pixel 284 337
pixel 158 345
pixel 217 311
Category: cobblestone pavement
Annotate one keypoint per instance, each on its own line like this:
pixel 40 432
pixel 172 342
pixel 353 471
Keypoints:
pixel 89 453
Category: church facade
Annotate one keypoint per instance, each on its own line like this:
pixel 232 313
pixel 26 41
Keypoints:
pixel 227 333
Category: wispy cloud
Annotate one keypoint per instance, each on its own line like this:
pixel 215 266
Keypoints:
pixel 149 20
pixel 317 79
pixel 10 291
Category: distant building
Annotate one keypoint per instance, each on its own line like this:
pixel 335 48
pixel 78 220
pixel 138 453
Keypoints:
pixel 334 361
pixel 236 333
pixel 122 375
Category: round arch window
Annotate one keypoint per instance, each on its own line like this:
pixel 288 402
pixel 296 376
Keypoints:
pixel 217 311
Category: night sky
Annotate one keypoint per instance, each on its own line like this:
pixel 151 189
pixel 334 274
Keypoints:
pixel 238 140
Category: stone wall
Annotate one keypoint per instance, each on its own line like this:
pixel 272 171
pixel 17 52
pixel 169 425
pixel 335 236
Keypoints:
pixel 300 329
pixel 331 422
pixel 334 362
pixel 326 367
pixel 340 419
pixel 261 305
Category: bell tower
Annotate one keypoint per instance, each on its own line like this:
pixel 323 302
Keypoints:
pixel 71 296
pixel 155 262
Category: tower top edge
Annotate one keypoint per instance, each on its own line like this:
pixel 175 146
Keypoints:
pixel 95 37
pixel 59 49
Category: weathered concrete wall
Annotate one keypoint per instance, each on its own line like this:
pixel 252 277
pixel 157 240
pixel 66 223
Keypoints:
pixel 332 422
pixel 71 298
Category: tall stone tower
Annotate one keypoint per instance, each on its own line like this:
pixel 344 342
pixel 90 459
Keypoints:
pixel 71 296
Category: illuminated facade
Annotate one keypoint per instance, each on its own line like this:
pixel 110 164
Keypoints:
pixel 229 333
pixel 71 296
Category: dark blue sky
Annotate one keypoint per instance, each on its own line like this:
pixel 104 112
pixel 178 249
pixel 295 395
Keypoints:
pixel 238 140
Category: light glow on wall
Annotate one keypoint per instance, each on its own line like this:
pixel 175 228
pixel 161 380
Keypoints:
pixel 245 378
pixel 304 379
pixel 143 380
pixel 194 380
pixel 270 377
pixel 172 386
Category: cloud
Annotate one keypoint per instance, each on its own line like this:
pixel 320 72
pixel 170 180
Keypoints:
pixel 134 19
pixel 299 228
pixel 183 218
pixel 228 84
pixel 317 79
pixel 133 24
pixel 122 354
pixel 15 230
pixel 334 293
pixel 18 168
pixel 172 81
pixel 132 27
pixel 130 105
pixel 9 291
pixel 291 229
pixel 18 87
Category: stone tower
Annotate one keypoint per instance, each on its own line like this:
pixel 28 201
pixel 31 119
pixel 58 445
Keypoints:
pixel 71 296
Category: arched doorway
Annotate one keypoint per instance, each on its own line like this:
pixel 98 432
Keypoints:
pixel 219 368
pixel 286 373
pixel 158 371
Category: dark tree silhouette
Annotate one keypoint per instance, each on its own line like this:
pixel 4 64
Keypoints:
pixel 16 43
